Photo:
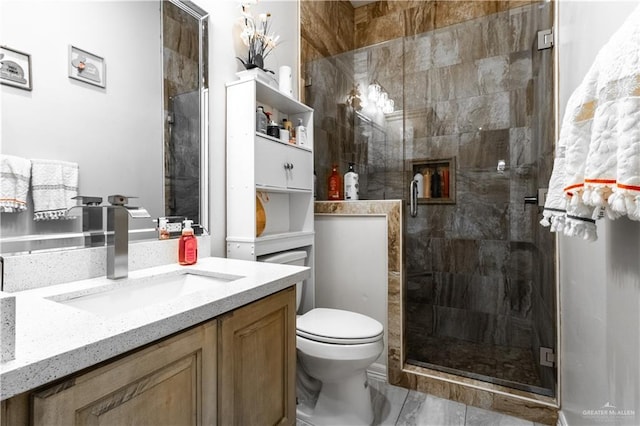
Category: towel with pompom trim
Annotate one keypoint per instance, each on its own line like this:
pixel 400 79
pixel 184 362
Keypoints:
pixel 53 183
pixel 15 174
pixel 597 167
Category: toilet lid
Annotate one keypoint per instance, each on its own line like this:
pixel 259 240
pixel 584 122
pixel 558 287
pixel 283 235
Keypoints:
pixel 338 326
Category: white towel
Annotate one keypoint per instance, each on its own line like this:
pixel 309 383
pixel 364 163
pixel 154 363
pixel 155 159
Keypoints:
pixel 15 173
pixel 599 172
pixel 54 184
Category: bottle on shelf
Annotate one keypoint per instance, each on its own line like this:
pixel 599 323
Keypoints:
pixel 261 120
pixel 435 184
pixel 301 134
pixel 335 184
pixel 272 127
pixel 351 185
pixel 288 134
pixel 426 173
pixel 445 182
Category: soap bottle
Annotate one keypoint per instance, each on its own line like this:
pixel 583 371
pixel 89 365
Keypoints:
pixel 301 134
pixel 435 184
pixel 187 245
pixel 427 183
pixel 261 120
pixel 335 184
pixel 351 184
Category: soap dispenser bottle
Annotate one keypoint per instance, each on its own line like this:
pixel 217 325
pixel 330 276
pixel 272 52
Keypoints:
pixel 351 184
pixel 188 245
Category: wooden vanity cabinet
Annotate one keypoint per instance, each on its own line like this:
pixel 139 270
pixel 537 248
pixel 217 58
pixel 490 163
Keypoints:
pixel 238 369
pixel 168 383
pixel 257 363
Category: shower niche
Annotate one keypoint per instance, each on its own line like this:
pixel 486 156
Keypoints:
pixel 436 180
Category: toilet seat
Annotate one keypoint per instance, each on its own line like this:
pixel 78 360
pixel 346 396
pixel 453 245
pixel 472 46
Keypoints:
pixel 335 326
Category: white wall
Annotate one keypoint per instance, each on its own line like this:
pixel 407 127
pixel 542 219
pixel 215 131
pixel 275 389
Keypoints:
pixel 599 282
pixel 224 46
pixel 351 267
pixel 66 119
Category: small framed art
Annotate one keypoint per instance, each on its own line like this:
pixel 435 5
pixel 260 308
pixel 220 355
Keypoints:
pixel 87 67
pixel 15 68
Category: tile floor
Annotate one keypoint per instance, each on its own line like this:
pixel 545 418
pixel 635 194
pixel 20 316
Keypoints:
pixel 394 405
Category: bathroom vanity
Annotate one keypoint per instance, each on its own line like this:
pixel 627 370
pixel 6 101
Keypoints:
pixel 222 355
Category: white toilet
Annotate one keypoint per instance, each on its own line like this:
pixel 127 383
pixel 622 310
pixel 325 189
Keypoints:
pixel 335 347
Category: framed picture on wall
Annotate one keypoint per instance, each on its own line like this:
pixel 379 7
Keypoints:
pixel 87 67
pixel 15 68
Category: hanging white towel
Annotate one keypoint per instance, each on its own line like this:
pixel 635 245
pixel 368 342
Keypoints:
pixel 54 184
pixel 598 154
pixel 15 173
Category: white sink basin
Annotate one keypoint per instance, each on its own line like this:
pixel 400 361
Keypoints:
pixel 132 294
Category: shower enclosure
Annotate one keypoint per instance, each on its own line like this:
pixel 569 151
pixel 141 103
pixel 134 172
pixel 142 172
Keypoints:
pixel 466 109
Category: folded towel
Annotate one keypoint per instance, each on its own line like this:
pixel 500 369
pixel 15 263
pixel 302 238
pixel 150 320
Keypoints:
pixel 15 173
pixel 54 184
pixel 598 154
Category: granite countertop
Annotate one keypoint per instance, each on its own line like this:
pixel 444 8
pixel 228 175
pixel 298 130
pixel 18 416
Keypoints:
pixel 54 340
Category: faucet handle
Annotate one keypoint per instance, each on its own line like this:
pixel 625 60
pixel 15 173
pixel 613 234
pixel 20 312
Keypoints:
pixel 119 200
pixel 88 200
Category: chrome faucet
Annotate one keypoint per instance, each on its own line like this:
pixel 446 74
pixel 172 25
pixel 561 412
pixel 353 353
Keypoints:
pixel 117 229
pixel 91 219
pixel 118 234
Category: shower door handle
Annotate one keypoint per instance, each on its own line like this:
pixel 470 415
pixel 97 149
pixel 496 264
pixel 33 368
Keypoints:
pixel 413 189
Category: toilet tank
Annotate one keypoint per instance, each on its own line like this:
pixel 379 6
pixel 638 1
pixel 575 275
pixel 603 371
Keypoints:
pixel 294 257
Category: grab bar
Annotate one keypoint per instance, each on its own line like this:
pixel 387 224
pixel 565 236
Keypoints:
pixel 414 198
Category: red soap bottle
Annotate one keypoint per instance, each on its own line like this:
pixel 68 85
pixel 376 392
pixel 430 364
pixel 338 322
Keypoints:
pixel 187 245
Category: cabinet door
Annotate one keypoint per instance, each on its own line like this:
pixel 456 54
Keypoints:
pixel 299 175
pixel 271 158
pixel 257 356
pixel 172 382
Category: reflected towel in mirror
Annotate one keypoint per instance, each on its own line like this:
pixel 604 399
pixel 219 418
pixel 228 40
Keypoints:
pixel 15 173
pixel 54 183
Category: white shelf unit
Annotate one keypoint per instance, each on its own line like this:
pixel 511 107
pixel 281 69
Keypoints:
pixel 278 172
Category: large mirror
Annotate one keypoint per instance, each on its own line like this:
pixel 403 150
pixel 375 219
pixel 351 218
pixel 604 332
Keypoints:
pixel 142 132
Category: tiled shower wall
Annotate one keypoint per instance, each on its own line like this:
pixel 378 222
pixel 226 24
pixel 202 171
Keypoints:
pixel 468 83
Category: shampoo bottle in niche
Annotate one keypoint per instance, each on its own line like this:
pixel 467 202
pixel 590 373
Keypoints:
pixel 351 185
pixel 335 184
pixel 188 245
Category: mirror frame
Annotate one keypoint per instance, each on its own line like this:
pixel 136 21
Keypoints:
pixel 203 88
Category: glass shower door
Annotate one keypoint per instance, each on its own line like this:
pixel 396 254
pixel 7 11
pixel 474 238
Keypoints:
pixel 480 292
